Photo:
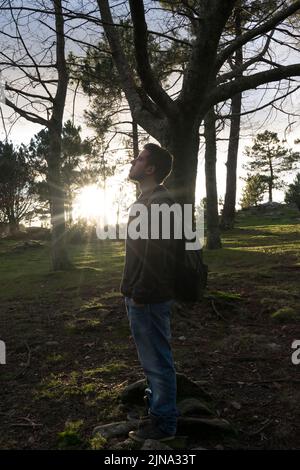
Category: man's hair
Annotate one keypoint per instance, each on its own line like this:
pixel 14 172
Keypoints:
pixel 161 159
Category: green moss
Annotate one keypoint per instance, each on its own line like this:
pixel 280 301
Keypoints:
pixel 225 295
pixel 111 368
pixel 285 314
pixel 70 437
pixel 112 294
pixel 55 358
pixel 98 442
pixel 82 325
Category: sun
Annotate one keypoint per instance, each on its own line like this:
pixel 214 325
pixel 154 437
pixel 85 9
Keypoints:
pixel 93 203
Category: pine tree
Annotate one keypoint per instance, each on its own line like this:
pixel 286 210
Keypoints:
pixel 253 192
pixel 269 158
pixel 293 193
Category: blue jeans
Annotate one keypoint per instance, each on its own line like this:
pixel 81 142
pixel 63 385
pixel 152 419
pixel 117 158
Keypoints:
pixel 151 331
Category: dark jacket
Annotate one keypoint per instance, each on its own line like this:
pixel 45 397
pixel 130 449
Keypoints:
pixel 149 272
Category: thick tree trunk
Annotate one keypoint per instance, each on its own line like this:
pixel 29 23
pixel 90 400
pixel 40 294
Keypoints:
pixel 183 144
pixel 59 255
pixel 213 240
pixel 228 214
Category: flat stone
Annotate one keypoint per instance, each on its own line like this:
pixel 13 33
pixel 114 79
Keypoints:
pixel 203 426
pixel 193 406
pixel 117 429
pixel 151 444
pixel 186 388
pixel 128 444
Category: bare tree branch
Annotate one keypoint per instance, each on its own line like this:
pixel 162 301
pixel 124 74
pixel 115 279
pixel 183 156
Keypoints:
pixel 142 109
pixel 150 83
pixel 253 33
pixel 239 70
pixel 27 114
pixel 225 91
pixel 200 68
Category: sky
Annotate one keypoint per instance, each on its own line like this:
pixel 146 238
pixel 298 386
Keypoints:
pixel 279 122
pixel 24 130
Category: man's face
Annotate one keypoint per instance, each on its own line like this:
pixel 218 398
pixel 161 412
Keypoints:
pixel 140 168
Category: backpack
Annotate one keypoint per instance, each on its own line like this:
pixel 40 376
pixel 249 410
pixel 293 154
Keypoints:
pixel 190 271
pixel 191 274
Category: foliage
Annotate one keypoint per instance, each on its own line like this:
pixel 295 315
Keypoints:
pixel 97 442
pixel 293 193
pixel 17 184
pixel 270 158
pixel 75 159
pixel 80 232
pixel 254 190
pixel 99 78
pixel 70 437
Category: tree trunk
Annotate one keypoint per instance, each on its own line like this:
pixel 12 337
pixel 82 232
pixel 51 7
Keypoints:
pixel 135 146
pixel 228 214
pixel 270 191
pixel 270 182
pixel 60 260
pixel 59 255
pixel 13 224
pixel 183 144
pixel 213 240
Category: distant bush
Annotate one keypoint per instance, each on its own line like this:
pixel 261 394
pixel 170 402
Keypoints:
pixel 81 232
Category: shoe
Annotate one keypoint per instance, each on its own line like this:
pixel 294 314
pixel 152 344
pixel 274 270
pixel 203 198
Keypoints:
pixel 149 431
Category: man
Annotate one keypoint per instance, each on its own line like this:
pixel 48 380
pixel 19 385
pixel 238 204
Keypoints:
pixel 148 287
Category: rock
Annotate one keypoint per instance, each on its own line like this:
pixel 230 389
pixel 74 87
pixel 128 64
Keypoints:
pixel 236 405
pixel 128 444
pixel 198 448
pixel 120 428
pixel 179 442
pixel 192 406
pixel 136 412
pixel 134 393
pixel 186 388
pixel 203 426
pixel 151 444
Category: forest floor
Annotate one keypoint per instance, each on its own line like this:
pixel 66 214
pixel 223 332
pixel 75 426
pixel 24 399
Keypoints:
pixel 70 353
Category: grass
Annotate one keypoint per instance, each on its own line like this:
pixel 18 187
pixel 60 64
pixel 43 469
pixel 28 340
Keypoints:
pixel 25 273
pixel 68 341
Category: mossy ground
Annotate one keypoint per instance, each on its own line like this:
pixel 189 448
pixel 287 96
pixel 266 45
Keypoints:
pixel 69 350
